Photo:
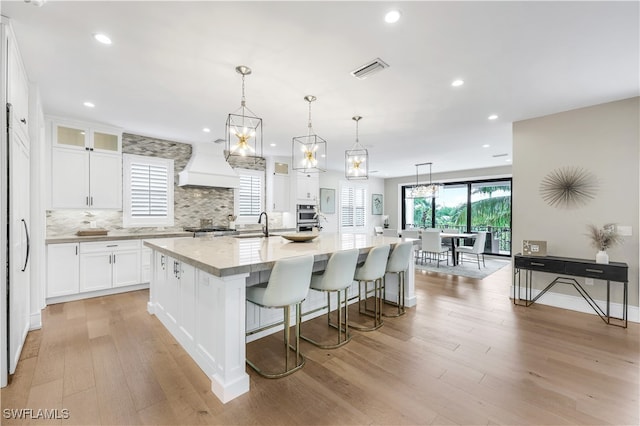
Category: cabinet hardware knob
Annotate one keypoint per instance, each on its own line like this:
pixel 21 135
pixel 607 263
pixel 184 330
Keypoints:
pixel 23 120
pixel 537 264
pixel 597 271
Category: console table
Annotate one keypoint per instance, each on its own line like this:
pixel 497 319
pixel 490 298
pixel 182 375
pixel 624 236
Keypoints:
pixel 563 266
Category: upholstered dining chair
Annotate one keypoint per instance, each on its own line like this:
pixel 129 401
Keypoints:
pixel 336 278
pixel 432 246
pixel 477 249
pixel 288 285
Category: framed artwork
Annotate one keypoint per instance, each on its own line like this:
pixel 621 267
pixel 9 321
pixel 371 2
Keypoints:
pixel 376 203
pixel 327 200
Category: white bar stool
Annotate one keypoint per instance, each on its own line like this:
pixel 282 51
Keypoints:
pixel 337 277
pixel 398 262
pixel 288 285
pixel 372 271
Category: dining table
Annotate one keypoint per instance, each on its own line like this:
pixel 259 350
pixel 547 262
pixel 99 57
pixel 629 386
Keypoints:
pixel 455 238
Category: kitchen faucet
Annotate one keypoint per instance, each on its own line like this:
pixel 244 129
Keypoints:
pixel 265 228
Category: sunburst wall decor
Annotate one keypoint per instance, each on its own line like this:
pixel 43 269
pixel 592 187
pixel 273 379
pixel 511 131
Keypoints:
pixel 568 187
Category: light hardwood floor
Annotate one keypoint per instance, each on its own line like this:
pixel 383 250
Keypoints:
pixel 464 355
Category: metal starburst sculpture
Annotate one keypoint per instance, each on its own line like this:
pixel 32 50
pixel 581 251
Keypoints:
pixel 568 187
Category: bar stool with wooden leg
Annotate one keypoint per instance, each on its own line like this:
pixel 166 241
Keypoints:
pixel 398 263
pixel 372 271
pixel 336 278
pixel 288 285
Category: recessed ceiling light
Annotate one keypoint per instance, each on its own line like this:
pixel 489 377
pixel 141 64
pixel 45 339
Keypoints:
pixel 486 145
pixel 206 130
pixel 323 155
pixel 508 160
pixel 89 104
pixel 392 16
pixel 272 144
pixel 493 117
pixel 102 38
pixel 457 83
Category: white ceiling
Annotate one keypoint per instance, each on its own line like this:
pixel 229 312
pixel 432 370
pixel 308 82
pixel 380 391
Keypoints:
pixel 170 70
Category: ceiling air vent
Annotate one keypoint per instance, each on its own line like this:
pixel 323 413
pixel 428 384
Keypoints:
pixel 369 68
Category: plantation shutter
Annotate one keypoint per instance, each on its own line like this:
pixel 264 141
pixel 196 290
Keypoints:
pixel 250 195
pixel 352 205
pixel 149 185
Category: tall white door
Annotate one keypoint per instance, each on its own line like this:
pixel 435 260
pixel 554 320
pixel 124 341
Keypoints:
pixel 19 249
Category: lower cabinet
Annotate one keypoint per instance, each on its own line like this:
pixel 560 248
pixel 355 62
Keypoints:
pixel 175 297
pixel 63 269
pixel 74 268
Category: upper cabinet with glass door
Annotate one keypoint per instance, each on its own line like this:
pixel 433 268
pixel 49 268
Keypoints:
pixel 89 138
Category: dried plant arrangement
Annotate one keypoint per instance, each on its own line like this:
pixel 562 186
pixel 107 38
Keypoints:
pixel 605 237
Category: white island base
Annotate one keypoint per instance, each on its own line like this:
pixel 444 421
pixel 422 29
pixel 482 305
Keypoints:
pixel 208 314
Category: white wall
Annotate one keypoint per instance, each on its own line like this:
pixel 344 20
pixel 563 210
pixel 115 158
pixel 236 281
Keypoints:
pixel 333 179
pixel 602 139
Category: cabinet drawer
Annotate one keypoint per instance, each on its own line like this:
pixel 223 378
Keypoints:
pixel 543 264
pixel 109 246
pixel 599 271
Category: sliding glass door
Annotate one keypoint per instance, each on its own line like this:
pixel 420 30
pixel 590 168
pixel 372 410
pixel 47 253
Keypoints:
pixel 466 207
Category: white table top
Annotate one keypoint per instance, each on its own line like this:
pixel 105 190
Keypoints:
pixel 224 256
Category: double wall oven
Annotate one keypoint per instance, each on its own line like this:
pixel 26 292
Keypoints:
pixel 306 218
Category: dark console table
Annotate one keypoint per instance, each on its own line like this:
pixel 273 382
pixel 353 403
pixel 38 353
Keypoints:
pixel 563 266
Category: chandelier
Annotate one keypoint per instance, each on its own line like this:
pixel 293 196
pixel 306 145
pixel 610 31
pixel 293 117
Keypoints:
pixel 424 191
pixel 243 128
pixel 309 152
pixel 356 159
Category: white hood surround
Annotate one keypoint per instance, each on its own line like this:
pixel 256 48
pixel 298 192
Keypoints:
pixel 208 167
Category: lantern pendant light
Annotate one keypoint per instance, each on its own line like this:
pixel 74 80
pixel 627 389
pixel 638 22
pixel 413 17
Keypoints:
pixel 356 159
pixel 309 152
pixel 243 129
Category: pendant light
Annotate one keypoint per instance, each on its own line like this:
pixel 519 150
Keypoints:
pixel 356 159
pixel 309 152
pixel 424 191
pixel 243 129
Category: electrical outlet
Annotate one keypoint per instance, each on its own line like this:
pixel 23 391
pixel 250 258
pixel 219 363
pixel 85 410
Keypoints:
pixel 588 281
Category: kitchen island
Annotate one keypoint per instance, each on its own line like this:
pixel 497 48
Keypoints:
pixel 198 289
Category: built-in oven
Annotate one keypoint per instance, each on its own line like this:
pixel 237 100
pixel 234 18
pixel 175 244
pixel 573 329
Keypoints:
pixel 306 218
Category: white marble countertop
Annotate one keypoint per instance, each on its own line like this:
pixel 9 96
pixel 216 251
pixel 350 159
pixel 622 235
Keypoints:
pixel 224 256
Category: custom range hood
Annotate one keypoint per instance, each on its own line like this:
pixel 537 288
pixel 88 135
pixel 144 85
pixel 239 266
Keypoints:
pixel 208 167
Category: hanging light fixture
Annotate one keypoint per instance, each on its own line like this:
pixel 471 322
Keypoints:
pixel 309 152
pixel 356 159
pixel 424 191
pixel 243 128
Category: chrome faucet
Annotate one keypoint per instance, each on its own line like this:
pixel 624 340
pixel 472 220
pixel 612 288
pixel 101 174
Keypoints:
pixel 265 228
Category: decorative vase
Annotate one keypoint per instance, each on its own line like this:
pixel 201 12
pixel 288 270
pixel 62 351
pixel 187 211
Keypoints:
pixel 602 257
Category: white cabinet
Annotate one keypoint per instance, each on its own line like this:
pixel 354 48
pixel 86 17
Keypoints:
pixel 63 269
pixel 109 264
pixel 174 295
pixel 278 185
pixel 86 167
pixel 145 265
pixel 307 188
pixel 17 90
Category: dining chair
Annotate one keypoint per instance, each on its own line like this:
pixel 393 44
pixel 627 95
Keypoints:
pixel 336 278
pixel 377 230
pixel 432 245
pixel 288 285
pixel 477 249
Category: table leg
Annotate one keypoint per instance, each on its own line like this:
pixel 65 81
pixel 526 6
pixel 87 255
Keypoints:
pixel 454 258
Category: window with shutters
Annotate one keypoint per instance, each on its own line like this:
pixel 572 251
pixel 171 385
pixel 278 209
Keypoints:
pixel 353 207
pixel 148 191
pixel 249 199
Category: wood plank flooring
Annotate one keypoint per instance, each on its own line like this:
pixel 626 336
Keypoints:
pixel 464 355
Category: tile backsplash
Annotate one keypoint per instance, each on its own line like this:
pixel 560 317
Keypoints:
pixel 190 203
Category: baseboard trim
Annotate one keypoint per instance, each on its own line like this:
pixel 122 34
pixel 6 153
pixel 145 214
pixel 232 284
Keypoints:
pixel 98 293
pixel 578 304
pixel 35 321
